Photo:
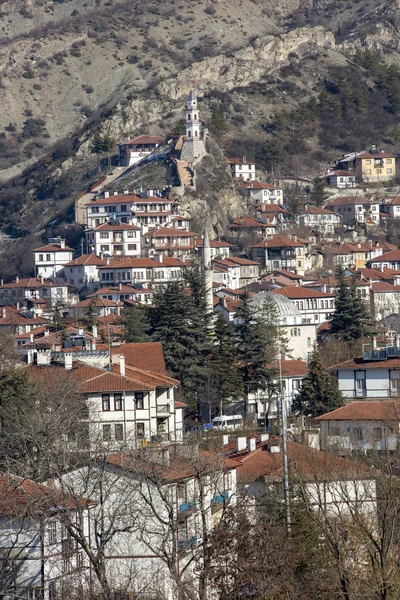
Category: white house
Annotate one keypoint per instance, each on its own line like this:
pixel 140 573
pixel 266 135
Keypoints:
pixel 280 252
pixel 374 375
pixel 83 272
pixel 356 209
pixel 131 152
pixel 135 209
pixel 389 260
pixel 314 306
pixel 168 242
pixel 385 299
pixel 51 259
pixel 147 271
pixel 24 292
pixel 218 249
pixel 114 239
pixel 242 168
pixel 262 193
pixel 361 426
pixel 341 179
pixel 318 218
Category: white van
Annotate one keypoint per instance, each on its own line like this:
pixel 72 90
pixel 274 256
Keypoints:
pixel 227 422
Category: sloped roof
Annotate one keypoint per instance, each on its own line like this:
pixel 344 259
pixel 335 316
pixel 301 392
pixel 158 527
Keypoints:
pixel 278 241
pixel 53 248
pixel 385 410
pixel 391 256
pixel 118 227
pixel 298 292
pixel 86 260
pixel 246 222
pixel 143 139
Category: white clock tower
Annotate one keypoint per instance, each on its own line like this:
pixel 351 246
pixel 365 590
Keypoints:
pixel 192 120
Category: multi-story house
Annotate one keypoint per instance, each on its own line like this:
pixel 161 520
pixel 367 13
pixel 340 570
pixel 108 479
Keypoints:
pixel 314 306
pixel 385 299
pixel 218 249
pixel 390 205
pixel 23 293
pixel 388 260
pixel 133 151
pixel 168 242
pixel 355 210
pixel 38 557
pixel 376 374
pixel 235 273
pixel 249 269
pixel 50 260
pixel 243 169
pixel 147 271
pixel 82 273
pixel 341 179
pixel 320 219
pixel 20 322
pixel 96 306
pixel 262 193
pixel 369 166
pixel 114 239
pixel 259 227
pixel 280 252
pixel 123 293
pixel 361 426
pixel 136 209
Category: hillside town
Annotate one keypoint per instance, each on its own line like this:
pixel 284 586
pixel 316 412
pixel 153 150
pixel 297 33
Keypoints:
pixel 169 392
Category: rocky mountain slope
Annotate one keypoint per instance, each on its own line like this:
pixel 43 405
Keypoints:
pixel 70 70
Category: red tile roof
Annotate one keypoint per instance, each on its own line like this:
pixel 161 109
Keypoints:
pixel 86 260
pixel 315 210
pixel 119 227
pixel 144 139
pixel 278 241
pixel 383 287
pixel 348 200
pixel 170 232
pixel 360 363
pixel 385 410
pixel 32 282
pixel 272 208
pixel 137 263
pixel 95 301
pixel 240 161
pixel 299 292
pixel 291 367
pixel 258 185
pixel 213 243
pixel 391 256
pixel 53 248
pixel 247 222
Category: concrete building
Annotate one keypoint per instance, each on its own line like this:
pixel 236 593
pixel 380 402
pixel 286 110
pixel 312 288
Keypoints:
pixel 51 259
pixel 369 166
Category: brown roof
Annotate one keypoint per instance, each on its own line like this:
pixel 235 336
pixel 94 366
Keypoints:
pixel 119 227
pixel 340 173
pixel 170 232
pixel 391 201
pixel 385 287
pixel 258 185
pixel 272 208
pixel 299 292
pixel 53 248
pixel 144 139
pixel 95 301
pixel 315 210
pixel 240 161
pixel 385 410
pixel 115 199
pixel 278 241
pixel 360 363
pixel 246 222
pixel 86 260
pixel 147 356
pixel 347 200
pixel 391 256
pixel 137 263
pixel 32 282
pixel 213 243
pixel 291 367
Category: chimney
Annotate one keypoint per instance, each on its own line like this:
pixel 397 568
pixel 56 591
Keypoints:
pixel 62 244
pixel 264 437
pixel 115 193
pixel 120 286
pixel 68 361
pixel 241 443
pixel 274 448
pixel 41 279
pixel 122 365
pixel 29 357
pixel 382 268
pixel 3 313
pixel 382 151
pixel 373 342
pixel 225 439
pixel 126 192
pixel 16 279
pixel 94 331
pixel 251 444
pixel 2 282
pixel 397 341
pixel 46 332
pixel 31 338
pixel 80 331
pixel 106 194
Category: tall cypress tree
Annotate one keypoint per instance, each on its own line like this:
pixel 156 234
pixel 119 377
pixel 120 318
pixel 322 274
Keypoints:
pixel 226 378
pixel 253 348
pixel 135 323
pixel 350 319
pixel 319 392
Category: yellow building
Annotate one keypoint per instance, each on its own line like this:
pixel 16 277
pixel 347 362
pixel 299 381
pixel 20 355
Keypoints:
pixel 371 166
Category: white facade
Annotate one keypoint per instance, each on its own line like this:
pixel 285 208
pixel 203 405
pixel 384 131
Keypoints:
pixel 356 210
pixel 114 240
pixel 135 150
pixel 131 208
pixel 320 219
pixel 341 179
pixel 142 270
pixel 359 435
pixel 243 169
pixel 21 291
pixel 314 307
pixel 192 117
pixel 263 193
pixel 51 259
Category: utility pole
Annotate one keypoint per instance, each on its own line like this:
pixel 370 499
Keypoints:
pixel 286 488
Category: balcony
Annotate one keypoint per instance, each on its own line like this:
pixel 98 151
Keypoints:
pixel 164 411
pixel 221 498
pixel 187 508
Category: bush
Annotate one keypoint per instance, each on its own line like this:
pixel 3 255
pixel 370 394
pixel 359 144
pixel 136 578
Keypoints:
pixel 29 74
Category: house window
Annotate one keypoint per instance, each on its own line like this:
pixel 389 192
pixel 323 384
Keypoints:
pixel 389 171
pixel 41 257
pixel 368 162
pixel 394 377
pixel 140 431
pixel 104 248
pixel 106 433
pixel 132 247
pixel 335 431
pixel 48 257
pixel 52 532
pixel 132 234
pixel 377 433
pixel 119 432
pixel 118 403
pixel 379 171
pixel 360 383
pixel 228 481
pixel 296 384
pixel 106 402
pixel 308 342
pixel 103 236
pixel 139 399
pixel 388 161
pixel 368 172
pixel 358 434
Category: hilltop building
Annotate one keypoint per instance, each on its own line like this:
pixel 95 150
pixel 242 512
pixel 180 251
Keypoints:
pixel 370 166
pixel 133 151
pixel 193 146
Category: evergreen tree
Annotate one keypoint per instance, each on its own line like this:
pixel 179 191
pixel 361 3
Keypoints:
pixel 350 319
pixel 317 194
pixel 253 348
pixel 91 313
pixel 181 325
pixel 135 323
pixel 319 392
pixel 225 373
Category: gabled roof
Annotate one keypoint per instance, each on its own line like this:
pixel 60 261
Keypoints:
pixel 340 173
pixel 247 222
pixel 143 139
pixel 95 301
pixel 316 210
pixel 169 232
pixel 348 200
pixel 53 248
pixel 199 243
pixel 385 410
pixel 291 367
pixel 32 282
pixel 118 227
pixel 391 256
pixel 272 208
pixel 383 287
pixel 86 260
pixel 278 241
pixel 258 185
pixel 391 201
pixel 240 161
pixel 141 263
pixel 298 292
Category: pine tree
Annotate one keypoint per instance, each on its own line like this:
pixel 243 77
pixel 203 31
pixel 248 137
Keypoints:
pixel 253 348
pixel 135 324
pixel 225 373
pixel 180 324
pixel 317 194
pixel 319 392
pixel 350 319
